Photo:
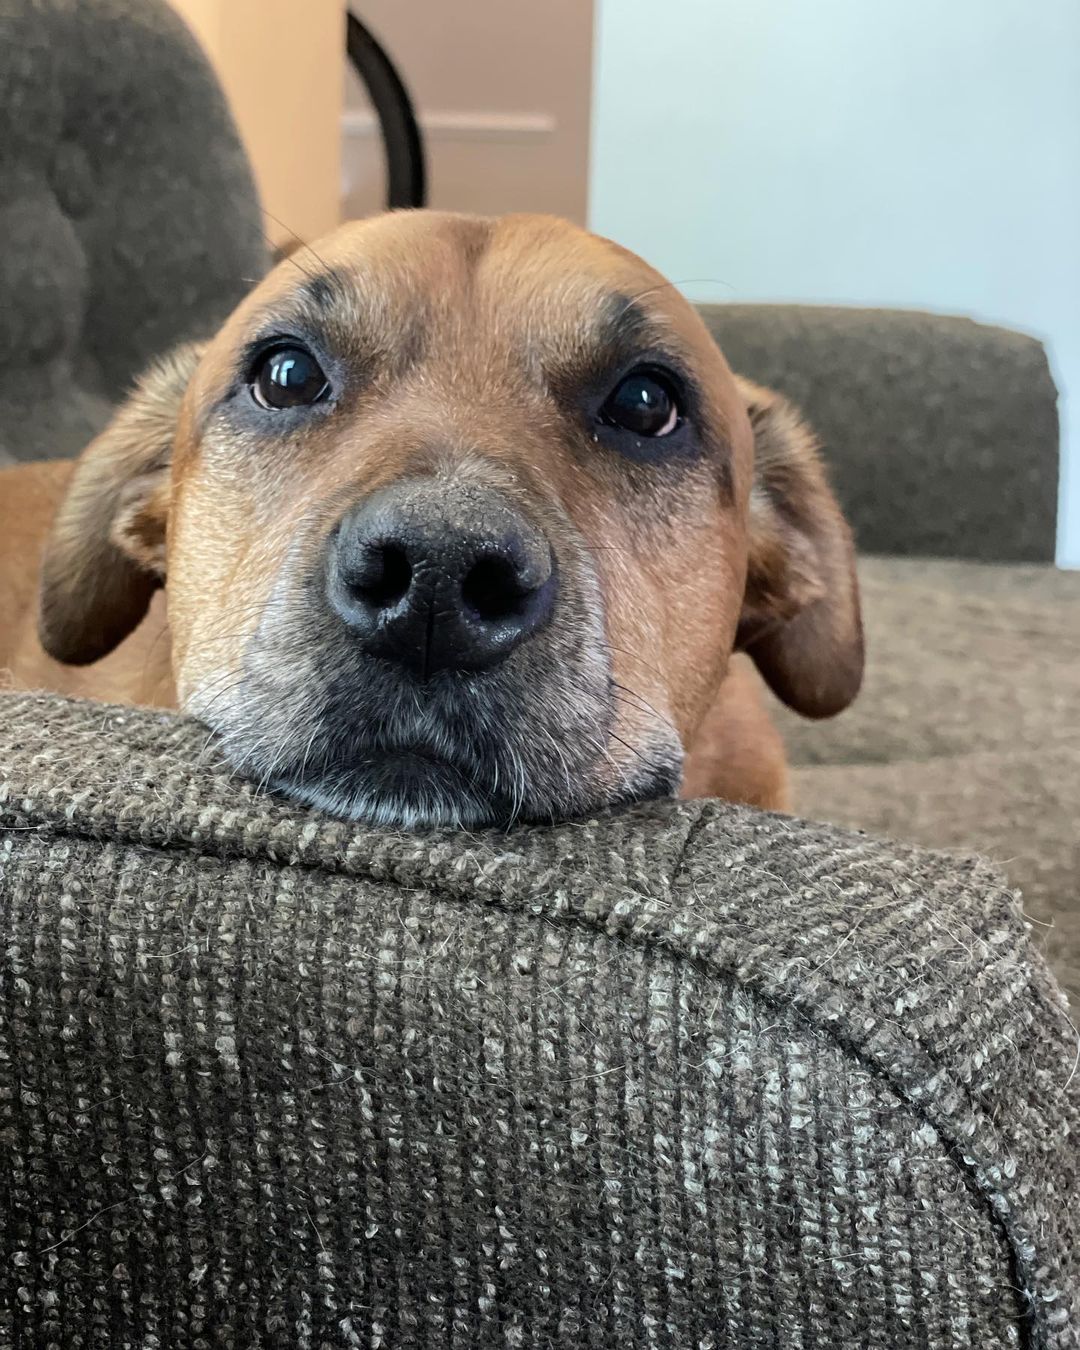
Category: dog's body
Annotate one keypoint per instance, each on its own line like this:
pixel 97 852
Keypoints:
pixel 457 521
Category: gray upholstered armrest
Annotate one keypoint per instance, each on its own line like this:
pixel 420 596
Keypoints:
pixel 942 433
pixel 686 1076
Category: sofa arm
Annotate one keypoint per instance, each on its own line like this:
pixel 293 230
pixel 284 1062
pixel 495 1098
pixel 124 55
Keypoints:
pixel 688 1075
pixel 942 433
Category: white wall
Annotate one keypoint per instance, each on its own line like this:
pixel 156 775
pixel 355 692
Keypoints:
pixel 921 153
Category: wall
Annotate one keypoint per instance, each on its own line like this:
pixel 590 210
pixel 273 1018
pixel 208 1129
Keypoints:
pixel 283 79
pixel 502 89
pixel 920 153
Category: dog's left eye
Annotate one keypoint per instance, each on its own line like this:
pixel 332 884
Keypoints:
pixel 288 377
pixel 643 403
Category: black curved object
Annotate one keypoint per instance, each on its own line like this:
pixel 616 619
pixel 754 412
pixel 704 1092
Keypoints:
pixel 406 172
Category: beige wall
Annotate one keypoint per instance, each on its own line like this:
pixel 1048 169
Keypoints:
pixel 281 65
pixel 503 92
pixel 502 88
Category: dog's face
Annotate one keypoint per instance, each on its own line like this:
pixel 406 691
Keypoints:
pixel 459 522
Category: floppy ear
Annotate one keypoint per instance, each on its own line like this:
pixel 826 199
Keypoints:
pixel 800 619
pixel 105 555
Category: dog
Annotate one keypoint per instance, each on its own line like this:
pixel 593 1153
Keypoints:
pixel 455 522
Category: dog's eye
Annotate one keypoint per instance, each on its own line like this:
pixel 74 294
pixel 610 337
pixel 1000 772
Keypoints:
pixel 288 377
pixel 644 404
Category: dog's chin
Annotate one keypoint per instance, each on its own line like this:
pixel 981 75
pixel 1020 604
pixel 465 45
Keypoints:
pixel 413 790
pixel 400 790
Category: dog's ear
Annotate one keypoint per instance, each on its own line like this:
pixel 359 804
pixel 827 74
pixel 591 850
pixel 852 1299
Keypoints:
pixel 800 619
pixel 105 555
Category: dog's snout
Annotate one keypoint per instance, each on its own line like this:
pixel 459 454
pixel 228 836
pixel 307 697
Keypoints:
pixel 437 577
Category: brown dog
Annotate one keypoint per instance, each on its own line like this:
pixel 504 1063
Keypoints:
pixel 458 521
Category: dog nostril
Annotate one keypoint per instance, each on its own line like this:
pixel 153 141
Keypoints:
pixel 384 577
pixel 493 589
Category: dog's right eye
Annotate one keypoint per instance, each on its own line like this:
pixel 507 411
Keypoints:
pixel 288 377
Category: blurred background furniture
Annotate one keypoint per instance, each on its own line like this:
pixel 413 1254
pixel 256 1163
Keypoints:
pixel 402 143
pixel 502 90
pixel 941 433
pixel 286 79
pixel 128 217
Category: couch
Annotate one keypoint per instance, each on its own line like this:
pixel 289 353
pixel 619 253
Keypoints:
pixel 688 1075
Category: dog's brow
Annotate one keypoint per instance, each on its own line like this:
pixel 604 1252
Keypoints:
pixel 623 327
pixel 325 289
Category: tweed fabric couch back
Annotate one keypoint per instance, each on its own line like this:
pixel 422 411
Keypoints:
pixel 685 1076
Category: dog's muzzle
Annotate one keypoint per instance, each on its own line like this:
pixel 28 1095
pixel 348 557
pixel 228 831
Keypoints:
pixel 443 664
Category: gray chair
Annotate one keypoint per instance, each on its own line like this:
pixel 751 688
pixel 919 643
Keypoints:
pixel 685 1076
pixel 128 215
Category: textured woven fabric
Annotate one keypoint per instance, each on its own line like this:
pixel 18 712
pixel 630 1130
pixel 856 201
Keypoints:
pixel 689 1076
pixel 941 433
pixel 967 732
pixel 127 210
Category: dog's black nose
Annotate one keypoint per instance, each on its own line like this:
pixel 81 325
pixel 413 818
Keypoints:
pixel 439 576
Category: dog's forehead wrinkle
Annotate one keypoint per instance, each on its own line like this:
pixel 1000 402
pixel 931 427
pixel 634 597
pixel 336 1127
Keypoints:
pixel 599 336
pixel 326 288
pixel 622 317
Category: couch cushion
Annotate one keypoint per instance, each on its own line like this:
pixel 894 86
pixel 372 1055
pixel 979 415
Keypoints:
pixel 687 1076
pixel 967 732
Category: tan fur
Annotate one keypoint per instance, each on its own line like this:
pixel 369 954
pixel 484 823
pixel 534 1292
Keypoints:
pixel 137 672
pixel 737 753
pixel 800 618
pixel 163 496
